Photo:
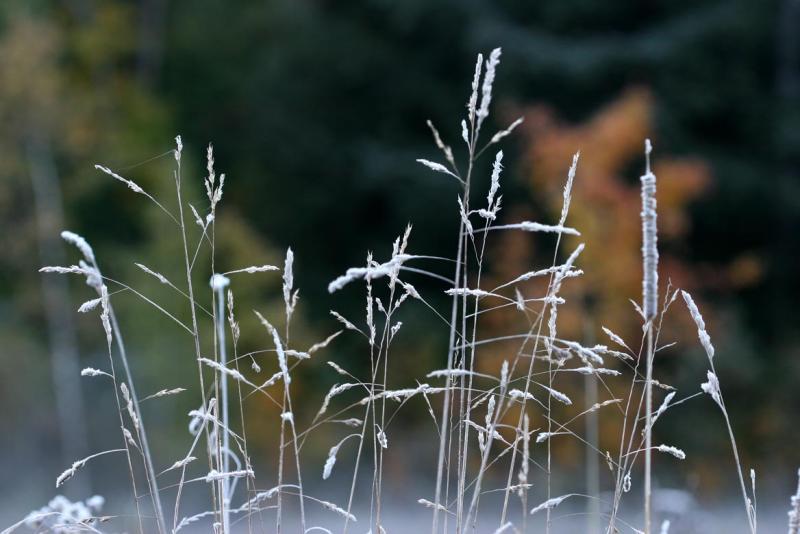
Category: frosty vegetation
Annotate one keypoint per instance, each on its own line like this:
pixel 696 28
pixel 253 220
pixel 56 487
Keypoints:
pixel 491 431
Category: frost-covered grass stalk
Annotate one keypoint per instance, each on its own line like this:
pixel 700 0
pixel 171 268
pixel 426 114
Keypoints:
pixel 496 397
pixel 218 285
pixel 89 268
pixel 712 388
pixel 649 305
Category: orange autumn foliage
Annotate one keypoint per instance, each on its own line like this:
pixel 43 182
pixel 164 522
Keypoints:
pixel 605 207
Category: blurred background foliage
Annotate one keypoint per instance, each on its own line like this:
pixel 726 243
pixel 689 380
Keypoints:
pixel 317 110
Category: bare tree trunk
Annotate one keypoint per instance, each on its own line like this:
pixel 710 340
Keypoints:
pixel 152 20
pixel 58 311
pixel 788 49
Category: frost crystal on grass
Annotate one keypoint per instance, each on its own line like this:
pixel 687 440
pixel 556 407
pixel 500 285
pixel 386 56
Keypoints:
pixel 214 475
pixel 337 389
pixel 615 338
pixel 79 242
pixel 161 278
pixel 488 82
pixel 711 386
pixel 382 438
pixel 567 197
pixel 528 226
pixel 472 104
pixel 255 269
pixel 674 451
pixel 89 305
pixel 219 282
pixel 464 217
pixel 233 373
pixel 448 152
pixel 130 183
pixel 663 407
pixel 497 166
pixel 560 397
pixel 705 339
pixel 129 404
pixel 178 148
pixel 503 133
pixel 551 503
pixel 90 371
pixel 370 272
pixel 181 463
pixel 336 509
pixel 289 297
pixel 463 291
pixel 544 436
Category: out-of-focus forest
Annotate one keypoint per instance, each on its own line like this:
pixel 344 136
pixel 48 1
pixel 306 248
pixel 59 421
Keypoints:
pixel 317 111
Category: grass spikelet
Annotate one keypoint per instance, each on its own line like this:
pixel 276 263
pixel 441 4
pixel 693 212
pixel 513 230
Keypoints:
pixel 105 314
pixel 464 217
pixel 705 339
pixel 330 461
pixel 164 393
pixel 160 277
pixel 663 407
pixel 428 504
pixel 89 305
pixel 472 103
pixel 549 504
pixel 347 324
pixel 674 451
pixel 438 167
pixel 448 152
pixel 74 239
pixel 323 344
pixel 254 269
pixel 337 389
pixel 336 509
pixel 133 186
pixel 77 465
pixel 615 338
pixel 180 463
pixel 567 196
pixel 233 373
pixel 544 436
pixel 90 371
pixel 215 475
pixel 129 404
pixel 504 133
pixel 711 387
pixel 289 298
pixel 560 397
pixel 488 82
pixel 336 367
pixel 497 166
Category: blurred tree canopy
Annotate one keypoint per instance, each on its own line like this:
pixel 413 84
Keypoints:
pixel 317 111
